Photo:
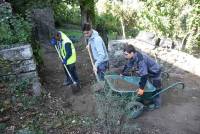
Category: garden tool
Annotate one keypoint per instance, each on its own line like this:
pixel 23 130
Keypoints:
pixel 100 84
pixel 74 82
pixel 91 59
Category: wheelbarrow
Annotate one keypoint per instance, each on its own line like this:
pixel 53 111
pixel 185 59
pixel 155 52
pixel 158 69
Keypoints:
pixel 135 107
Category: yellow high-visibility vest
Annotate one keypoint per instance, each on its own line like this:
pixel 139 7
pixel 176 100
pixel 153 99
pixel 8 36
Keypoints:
pixel 65 39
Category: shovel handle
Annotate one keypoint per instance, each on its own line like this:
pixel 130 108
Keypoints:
pixel 91 59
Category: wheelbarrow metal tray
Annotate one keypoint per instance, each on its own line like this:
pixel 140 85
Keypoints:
pixel 134 80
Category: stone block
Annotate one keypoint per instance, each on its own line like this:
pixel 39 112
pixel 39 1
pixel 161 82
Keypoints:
pixel 18 64
pixel 17 53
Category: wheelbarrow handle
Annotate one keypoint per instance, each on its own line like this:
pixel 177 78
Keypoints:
pixel 65 65
pixel 92 61
pixel 171 86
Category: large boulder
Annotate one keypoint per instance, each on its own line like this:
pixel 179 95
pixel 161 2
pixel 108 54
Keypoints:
pixel 167 43
pixel 115 51
pixel 44 26
pixel 147 37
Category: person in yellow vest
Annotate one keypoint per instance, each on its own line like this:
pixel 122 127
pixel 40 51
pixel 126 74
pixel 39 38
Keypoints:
pixel 68 54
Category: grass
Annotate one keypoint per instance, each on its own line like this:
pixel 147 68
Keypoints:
pixel 78 33
pixel 112 35
pixel 71 32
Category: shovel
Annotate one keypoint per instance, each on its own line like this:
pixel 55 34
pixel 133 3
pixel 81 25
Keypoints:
pixel 100 84
pixel 74 82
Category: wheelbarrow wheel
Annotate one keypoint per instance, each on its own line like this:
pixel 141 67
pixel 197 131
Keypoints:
pixel 134 109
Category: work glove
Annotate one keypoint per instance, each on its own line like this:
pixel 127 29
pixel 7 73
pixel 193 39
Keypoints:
pixel 53 41
pixel 64 61
pixel 87 47
pixel 140 91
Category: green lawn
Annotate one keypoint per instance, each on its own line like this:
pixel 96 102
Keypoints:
pixel 71 32
pixel 78 33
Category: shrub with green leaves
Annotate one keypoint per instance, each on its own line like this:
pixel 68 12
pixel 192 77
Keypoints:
pixel 66 13
pixel 13 29
pixel 173 19
pixel 113 117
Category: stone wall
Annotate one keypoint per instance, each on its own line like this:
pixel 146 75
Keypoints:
pixel 172 60
pixel 17 63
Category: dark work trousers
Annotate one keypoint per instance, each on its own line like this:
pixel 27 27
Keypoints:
pixel 101 69
pixel 157 84
pixel 72 70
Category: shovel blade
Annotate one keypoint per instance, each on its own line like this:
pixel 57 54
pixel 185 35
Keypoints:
pixel 75 88
pixel 98 86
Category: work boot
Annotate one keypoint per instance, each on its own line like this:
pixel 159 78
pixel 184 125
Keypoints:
pixel 78 86
pixel 157 102
pixel 66 82
pixel 151 107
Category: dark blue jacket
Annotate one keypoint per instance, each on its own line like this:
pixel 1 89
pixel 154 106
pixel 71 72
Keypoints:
pixel 68 50
pixel 145 66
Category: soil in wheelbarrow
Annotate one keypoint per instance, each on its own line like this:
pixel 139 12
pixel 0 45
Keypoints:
pixel 123 85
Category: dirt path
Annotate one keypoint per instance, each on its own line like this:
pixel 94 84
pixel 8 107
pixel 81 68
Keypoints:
pixel 179 113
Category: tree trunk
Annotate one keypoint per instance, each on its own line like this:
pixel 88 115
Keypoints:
pixel 103 33
pixel 123 27
pixel 84 16
pixel 87 11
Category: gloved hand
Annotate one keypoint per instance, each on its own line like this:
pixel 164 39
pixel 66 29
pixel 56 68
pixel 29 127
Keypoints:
pixel 64 61
pixel 53 41
pixel 140 91
pixel 87 47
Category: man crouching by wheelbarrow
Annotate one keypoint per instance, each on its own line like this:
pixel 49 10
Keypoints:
pixel 146 68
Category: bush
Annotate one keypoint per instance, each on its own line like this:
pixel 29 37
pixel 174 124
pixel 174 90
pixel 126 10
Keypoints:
pixel 13 29
pixel 110 22
pixel 66 14
pixel 174 19
pixel 112 114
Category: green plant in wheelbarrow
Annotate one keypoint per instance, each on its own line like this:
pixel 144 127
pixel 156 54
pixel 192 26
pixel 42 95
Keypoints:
pixel 136 106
